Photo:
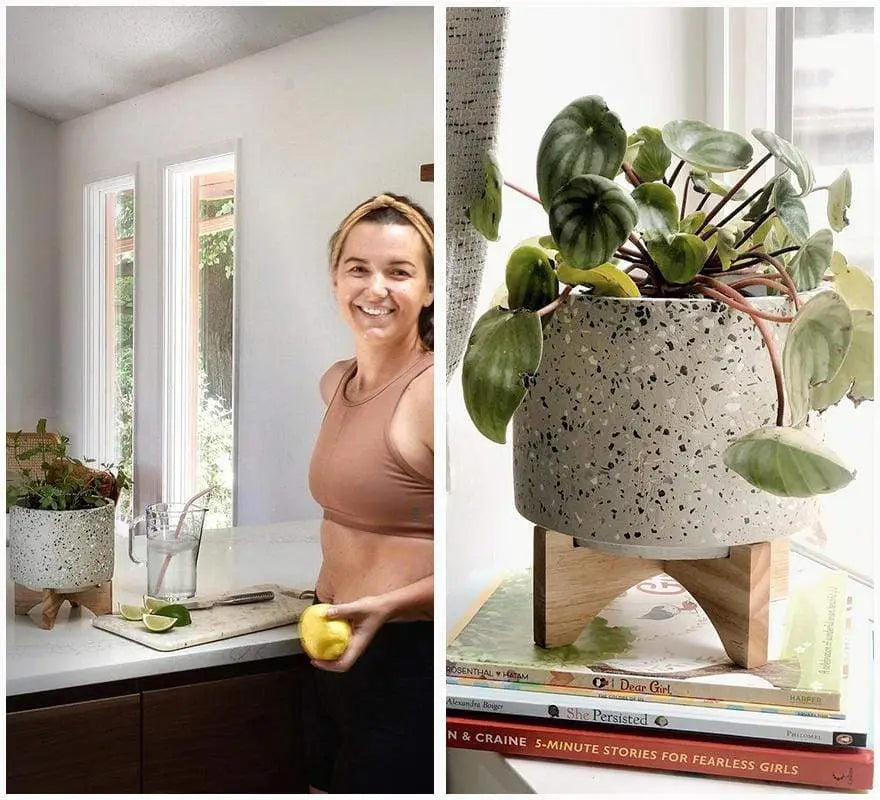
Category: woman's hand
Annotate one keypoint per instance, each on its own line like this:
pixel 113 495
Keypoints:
pixel 366 616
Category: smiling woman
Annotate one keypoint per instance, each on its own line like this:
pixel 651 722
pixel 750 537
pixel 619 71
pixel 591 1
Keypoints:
pixel 372 473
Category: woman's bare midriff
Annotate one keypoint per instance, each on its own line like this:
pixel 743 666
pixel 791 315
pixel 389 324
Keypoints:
pixel 360 563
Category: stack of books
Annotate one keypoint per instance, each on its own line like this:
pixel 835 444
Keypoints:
pixel 648 684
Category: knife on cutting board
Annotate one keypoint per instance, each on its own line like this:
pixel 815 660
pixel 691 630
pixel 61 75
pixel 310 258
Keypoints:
pixel 239 598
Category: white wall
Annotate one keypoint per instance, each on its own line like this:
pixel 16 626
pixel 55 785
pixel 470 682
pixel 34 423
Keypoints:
pixel 32 326
pixel 649 65
pixel 323 122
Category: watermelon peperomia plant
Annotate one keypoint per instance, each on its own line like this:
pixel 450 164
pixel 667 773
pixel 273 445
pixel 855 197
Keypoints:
pixel 618 229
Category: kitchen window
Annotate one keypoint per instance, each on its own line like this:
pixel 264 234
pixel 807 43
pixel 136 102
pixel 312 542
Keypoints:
pixel 825 104
pixel 199 292
pixel 109 313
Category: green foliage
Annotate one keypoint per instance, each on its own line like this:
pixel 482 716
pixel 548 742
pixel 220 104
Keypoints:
pixel 217 250
pixel 58 482
pixel 504 348
pixel 485 211
pixel 215 468
pixel 214 421
pixel 124 375
pixel 531 280
pixel 599 224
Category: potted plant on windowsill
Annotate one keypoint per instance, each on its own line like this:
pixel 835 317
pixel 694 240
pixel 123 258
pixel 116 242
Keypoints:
pixel 60 517
pixel 665 351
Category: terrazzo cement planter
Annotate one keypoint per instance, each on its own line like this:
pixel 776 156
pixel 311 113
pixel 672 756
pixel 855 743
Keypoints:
pixel 619 441
pixel 61 550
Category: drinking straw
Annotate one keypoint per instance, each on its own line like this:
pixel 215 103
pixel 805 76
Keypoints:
pixel 168 556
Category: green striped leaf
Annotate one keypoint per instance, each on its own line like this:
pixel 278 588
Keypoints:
pixel 531 280
pixel 691 222
pixel 787 462
pixel 839 198
pixel 790 210
pixel 585 138
pixel 722 240
pixel 856 375
pixel 810 262
pixel 789 155
pixel 504 348
pixel 705 147
pixel 633 145
pixel 658 210
pixel 653 157
pixel 815 348
pixel 590 217
pixel 544 243
pixel 679 257
pixel 704 183
pixel 606 280
pixel 761 203
pixel 485 212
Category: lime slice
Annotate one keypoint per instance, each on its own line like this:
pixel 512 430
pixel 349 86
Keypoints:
pixel 131 613
pixel 153 604
pixel 176 612
pixel 157 623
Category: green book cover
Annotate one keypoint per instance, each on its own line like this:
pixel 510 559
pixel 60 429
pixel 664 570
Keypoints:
pixel 655 642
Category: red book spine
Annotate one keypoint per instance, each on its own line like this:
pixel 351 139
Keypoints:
pixel 840 768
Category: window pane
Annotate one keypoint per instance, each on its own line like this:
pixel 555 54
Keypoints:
pixel 215 288
pixel 833 123
pixel 833 114
pixel 123 339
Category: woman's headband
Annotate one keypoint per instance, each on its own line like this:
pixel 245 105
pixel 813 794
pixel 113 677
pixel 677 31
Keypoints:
pixel 381 201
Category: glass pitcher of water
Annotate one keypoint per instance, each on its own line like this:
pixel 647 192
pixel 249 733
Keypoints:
pixel 174 533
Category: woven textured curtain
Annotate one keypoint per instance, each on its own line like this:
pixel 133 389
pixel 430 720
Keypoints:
pixel 474 50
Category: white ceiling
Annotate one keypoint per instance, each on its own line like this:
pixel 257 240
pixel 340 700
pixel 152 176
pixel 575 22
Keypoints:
pixel 65 61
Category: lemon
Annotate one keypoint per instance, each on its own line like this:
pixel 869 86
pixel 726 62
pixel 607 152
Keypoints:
pixel 157 623
pixel 153 604
pixel 177 612
pixel 323 639
pixel 131 613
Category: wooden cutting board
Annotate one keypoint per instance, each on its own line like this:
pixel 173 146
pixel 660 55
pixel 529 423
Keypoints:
pixel 213 624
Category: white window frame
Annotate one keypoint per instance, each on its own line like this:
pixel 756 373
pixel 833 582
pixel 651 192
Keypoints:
pixel 180 361
pixel 98 391
pixel 750 53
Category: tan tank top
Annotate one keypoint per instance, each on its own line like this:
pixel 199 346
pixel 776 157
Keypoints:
pixel 358 475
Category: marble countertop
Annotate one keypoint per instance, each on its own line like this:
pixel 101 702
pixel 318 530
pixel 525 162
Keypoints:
pixel 75 653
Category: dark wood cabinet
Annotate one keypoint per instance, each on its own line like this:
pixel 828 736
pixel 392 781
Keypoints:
pixel 224 729
pixel 231 735
pixel 88 747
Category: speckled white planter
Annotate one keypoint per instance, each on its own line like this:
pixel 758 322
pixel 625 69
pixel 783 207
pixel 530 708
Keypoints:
pixel 619 441
pixel 63 550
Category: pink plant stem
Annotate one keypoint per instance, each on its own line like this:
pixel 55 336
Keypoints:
pixel 731 296
pixel 760 280
pixel 780 267
pixel 550 307
pixel 524 192
pixel 737 300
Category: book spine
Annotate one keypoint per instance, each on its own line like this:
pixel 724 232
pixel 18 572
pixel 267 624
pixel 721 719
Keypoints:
pixel 840 769
pixel 675 719
pixel 652 688
pixel 701 702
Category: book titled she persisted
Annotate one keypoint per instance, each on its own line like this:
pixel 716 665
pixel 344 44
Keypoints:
pixel 840 768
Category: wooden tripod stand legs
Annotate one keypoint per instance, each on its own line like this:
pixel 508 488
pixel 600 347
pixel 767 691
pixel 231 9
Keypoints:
pixel 98 599
pixel 573 584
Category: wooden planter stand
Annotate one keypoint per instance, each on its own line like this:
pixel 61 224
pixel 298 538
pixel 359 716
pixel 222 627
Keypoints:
pixel 98 599
pixel 573 584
